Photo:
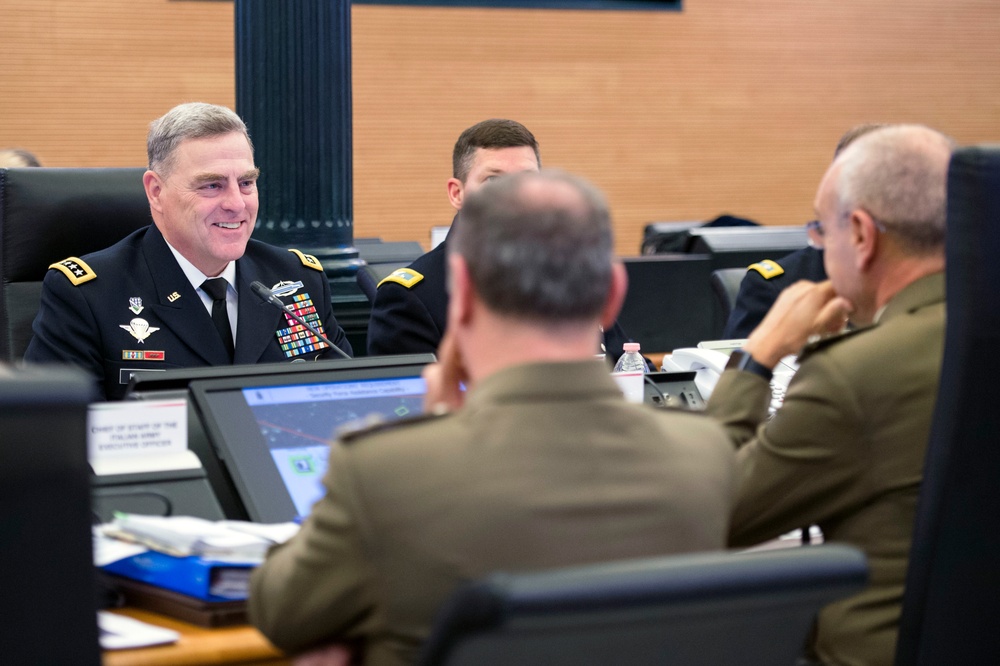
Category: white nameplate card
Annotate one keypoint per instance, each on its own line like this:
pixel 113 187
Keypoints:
pixel 138 436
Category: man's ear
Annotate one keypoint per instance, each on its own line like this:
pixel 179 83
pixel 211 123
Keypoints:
pixel 456 193
pixel 154 188
pixel 616 295
pixel 460 291
pixel 864 237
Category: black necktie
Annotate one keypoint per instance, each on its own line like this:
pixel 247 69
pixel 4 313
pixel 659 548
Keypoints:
pixel 216 288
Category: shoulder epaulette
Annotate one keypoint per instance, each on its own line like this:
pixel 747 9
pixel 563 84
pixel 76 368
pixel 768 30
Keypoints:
pixel 826 341
pixel 364 429
pixel 404 276
pixel 307 260
pixel 75 269
pixel 768 269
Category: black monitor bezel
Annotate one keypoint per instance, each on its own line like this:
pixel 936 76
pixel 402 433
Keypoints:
pixel 232 453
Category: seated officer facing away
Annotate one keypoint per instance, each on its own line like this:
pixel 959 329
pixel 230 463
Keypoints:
pixel 545 465
pixel 846 449
pixel 146 303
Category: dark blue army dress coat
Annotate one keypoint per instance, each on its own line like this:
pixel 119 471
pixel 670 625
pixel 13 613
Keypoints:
pixel 130 307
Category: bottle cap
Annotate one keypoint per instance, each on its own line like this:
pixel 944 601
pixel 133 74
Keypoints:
pixel 631 346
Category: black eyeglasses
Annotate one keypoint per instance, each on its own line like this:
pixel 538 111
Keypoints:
pixel 815 233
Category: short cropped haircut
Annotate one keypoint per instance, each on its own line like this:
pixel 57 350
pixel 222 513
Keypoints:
pixel 194 120
pixel 489 134
pixel 539 247
pixel 855 133
pixel 899 175
pixel 18 157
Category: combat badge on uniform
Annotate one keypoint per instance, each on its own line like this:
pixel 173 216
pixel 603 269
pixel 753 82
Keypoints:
pixel 139 329
pixel 75 269
pixel 768 269
pixel 308 260
pixel 404 276
pixel 296 339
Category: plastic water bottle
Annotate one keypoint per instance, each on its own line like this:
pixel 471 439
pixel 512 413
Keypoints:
pixel 631 360
pixel 629 371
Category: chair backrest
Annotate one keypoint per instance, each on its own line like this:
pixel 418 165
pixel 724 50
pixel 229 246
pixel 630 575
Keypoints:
pixel 725 286
pixel 711 608
pixel 951 603
pixel 48 214
pixel 47 584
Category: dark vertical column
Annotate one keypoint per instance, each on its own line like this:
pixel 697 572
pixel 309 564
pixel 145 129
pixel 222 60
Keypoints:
pixel 293 89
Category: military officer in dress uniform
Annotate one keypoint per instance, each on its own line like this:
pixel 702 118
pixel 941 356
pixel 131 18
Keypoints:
pixel 410 310
pixel 149 302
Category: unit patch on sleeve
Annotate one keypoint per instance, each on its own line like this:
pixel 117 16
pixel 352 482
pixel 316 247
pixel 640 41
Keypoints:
pixel 768 269
pixel 296 339
pixel 75 269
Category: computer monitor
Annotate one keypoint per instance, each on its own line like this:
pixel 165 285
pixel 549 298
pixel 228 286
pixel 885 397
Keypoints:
pixel 272 432
pixel 47 578
pixel 669 303
pixel 735 247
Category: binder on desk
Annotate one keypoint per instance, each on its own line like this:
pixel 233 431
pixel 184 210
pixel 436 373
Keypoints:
pixel 209 580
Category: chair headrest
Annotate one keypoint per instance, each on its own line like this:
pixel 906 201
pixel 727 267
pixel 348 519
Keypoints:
pixel 48 214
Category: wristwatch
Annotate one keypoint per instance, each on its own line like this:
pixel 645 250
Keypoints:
pixel 740 359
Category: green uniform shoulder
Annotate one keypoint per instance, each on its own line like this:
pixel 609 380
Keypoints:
pixel 358 431
pixel 828 341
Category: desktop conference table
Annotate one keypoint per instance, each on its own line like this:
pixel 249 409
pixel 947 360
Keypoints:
pixel 240 644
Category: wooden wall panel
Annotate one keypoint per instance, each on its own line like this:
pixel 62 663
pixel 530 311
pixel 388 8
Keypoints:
pixel 727 106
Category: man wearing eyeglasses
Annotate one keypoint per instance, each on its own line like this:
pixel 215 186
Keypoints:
pixel 846 449
pixel 766 279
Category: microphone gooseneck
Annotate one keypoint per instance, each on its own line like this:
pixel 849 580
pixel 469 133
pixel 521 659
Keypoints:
pixel 268 296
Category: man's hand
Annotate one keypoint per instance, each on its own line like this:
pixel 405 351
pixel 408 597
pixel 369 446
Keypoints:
pixel 444 378
pixel 330 655
pixel 801 311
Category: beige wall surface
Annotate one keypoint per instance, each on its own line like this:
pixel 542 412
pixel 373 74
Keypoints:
pixel 728 106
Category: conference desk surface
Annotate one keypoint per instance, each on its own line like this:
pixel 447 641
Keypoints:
pixel 241 644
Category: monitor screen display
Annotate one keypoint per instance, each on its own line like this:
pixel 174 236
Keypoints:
pixel 273 433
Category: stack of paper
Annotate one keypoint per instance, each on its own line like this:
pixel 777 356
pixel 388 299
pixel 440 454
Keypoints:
pixel 183 536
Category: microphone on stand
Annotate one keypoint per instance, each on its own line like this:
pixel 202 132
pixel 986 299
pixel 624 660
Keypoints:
pixel 268 296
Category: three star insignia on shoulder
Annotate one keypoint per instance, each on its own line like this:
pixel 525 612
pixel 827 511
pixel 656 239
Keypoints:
pixel 307 260
pixel 75 269
pixel 404 276
pixel 768 269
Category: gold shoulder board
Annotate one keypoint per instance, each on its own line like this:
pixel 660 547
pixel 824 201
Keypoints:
pixel 308 260
pixel 768 269
pixel 75 269
pixel 404 276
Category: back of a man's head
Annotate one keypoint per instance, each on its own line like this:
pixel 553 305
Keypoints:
pixel 194 120
pixel 898 174
pixel 18 157
pixel 538 246
pixel 491 134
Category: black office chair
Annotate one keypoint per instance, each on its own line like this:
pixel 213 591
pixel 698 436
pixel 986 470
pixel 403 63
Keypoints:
pixel 47 583
pixel 711 608
pixel 951 603
pixel 47 215
pixel 726 286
